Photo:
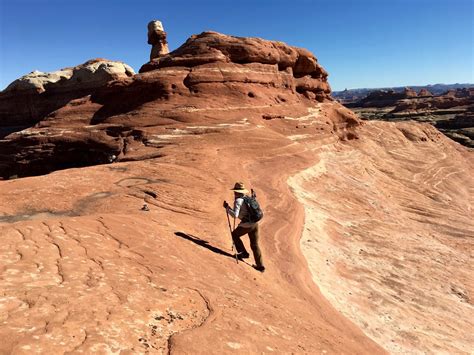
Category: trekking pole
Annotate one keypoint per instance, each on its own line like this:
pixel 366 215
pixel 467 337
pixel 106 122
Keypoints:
pixel 233 244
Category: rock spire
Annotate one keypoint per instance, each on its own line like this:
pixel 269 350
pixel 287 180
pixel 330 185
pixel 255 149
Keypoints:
pixel 157 39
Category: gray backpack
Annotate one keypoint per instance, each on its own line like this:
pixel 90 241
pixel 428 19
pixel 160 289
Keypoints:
pixel 256 213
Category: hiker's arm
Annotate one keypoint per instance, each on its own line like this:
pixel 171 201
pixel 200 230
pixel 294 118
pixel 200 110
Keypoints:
pixel 236 210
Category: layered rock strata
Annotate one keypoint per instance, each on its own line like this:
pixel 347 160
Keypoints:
pixel 450 112
pixel 100 121
pixel 294 68
pixel 383 98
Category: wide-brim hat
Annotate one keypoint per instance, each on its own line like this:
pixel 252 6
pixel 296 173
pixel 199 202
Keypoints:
pixel 240 187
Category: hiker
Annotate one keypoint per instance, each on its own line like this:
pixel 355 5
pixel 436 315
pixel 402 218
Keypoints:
pixel 248 225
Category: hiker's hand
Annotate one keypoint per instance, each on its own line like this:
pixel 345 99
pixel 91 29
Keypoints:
pixel 226 205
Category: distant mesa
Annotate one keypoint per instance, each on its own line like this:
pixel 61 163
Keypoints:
pixel 353 95
pixel 424 93
pixel 450 111
pixel 383 98
pixel 409 92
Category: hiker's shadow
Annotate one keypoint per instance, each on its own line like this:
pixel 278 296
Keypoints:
pixel 205 244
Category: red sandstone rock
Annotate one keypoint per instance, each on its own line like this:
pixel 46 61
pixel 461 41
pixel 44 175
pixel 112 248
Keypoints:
pixel 210 70
pixel 450 100
pixel 212 47
pixel 85 269
pixel 366 244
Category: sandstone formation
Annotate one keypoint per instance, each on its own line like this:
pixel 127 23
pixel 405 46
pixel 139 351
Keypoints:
pixel 366 235
pixel 113 121
pixel 455 98
pixel 274 63
pixel 157 38
pixel 32 97
pixel 409 92
pixel 424 93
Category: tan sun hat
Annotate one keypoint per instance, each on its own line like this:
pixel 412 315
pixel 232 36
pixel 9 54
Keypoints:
pixel 240 187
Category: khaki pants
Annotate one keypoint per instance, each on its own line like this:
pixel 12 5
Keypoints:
pixel 253 235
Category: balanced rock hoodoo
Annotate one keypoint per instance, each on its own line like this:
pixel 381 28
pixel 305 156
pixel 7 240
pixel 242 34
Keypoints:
pixel 157 38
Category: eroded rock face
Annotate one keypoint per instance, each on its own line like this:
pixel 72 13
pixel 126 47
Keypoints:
pixel 296 64
pixel 157 38
pixel 29 99
pixel 85 269
pixel 110 116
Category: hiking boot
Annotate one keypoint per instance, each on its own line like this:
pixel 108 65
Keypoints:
pixel 241 256
pixel 260 268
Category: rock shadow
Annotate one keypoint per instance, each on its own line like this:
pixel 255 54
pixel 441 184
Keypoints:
pixel 123 98
pixel 24 109
pixel 204 244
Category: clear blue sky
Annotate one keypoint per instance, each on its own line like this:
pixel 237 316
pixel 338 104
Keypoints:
pixel 362 43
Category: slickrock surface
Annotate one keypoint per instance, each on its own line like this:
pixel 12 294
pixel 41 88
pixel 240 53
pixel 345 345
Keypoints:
pixel 86 269
pixel 388 236
pixel 367 231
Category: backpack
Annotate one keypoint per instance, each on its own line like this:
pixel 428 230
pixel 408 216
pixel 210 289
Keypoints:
pixel 256 213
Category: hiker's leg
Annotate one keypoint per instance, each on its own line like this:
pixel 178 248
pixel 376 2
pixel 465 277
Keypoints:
pixel 257 254
pixel 236 234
